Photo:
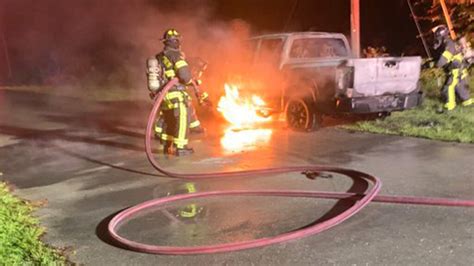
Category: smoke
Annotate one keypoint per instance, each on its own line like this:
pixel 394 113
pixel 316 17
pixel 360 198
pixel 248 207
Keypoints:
pixel 91 45
pixel 101 41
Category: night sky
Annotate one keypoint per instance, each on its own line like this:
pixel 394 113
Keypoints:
pixel 386 22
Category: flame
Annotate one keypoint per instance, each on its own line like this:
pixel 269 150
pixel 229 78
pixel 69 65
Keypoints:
pixel 244 114
pixel 241 112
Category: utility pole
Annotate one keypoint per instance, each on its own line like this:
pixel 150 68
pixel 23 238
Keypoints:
pixel 5 51
pixel 355 27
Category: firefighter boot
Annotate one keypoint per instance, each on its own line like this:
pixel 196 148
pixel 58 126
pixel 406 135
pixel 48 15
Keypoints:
pixel 469 102
pixel 184 151
pixel 167 147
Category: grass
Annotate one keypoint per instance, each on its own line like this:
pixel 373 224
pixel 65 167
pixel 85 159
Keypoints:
pixel 423 121
pixel 20 234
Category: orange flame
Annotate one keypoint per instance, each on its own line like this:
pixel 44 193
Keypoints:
pixel 241 112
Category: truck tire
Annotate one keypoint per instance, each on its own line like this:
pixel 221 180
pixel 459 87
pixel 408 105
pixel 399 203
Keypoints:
pixel 300 115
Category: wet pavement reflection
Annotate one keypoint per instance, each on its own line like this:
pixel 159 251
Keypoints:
pixel 223 220
pixel 245 139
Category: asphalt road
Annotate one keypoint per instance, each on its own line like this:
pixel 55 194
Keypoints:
pixel 86 159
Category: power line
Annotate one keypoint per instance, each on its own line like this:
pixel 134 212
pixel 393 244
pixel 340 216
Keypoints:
pixel 290 16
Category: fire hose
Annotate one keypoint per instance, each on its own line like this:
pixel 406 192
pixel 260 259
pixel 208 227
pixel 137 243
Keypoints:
pixel 361 200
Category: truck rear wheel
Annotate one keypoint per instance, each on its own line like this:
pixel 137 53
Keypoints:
pixel 300 115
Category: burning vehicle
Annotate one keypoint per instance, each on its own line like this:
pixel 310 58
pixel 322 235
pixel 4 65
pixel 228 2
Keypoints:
pixel 322 79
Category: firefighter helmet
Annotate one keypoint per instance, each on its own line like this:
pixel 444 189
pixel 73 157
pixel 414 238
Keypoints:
pixel 172 38
pixel 440 32
pixel 171 34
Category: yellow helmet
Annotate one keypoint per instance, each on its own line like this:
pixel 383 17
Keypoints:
pixel 171 34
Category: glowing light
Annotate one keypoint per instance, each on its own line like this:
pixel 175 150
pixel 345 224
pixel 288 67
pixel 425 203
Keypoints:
pixel 245 140
pixel 242 112
pixel 245 114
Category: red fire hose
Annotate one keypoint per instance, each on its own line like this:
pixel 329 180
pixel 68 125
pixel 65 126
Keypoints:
pixel 361 200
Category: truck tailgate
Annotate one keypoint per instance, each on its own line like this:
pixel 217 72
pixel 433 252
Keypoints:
pixel 386 75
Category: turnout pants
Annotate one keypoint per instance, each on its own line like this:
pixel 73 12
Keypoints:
pixel 456 86
pixel 174 121
pixel 463 92
pixel 193 120
pixel 449 89
pixel 160 124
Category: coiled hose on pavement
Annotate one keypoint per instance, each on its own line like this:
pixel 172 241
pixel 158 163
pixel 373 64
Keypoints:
pixel 361 199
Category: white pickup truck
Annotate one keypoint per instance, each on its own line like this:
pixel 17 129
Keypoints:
pixel 327 80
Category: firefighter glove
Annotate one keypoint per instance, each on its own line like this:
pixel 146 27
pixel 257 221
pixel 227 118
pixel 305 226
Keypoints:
pixel 203 98
pixel 152 95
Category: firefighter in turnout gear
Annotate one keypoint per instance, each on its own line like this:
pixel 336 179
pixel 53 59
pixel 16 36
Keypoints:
pixel 175 108
pixel 468 58
pixel 451 60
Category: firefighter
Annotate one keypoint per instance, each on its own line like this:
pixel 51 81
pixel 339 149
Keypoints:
pixel 183 213
pixel 198 68
pixel 468 58
pixel 175 107
pixel 160 127
pixel 190 210
pixel 195 126
pixel 451 60
pixel 464 86
pixel 194 123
